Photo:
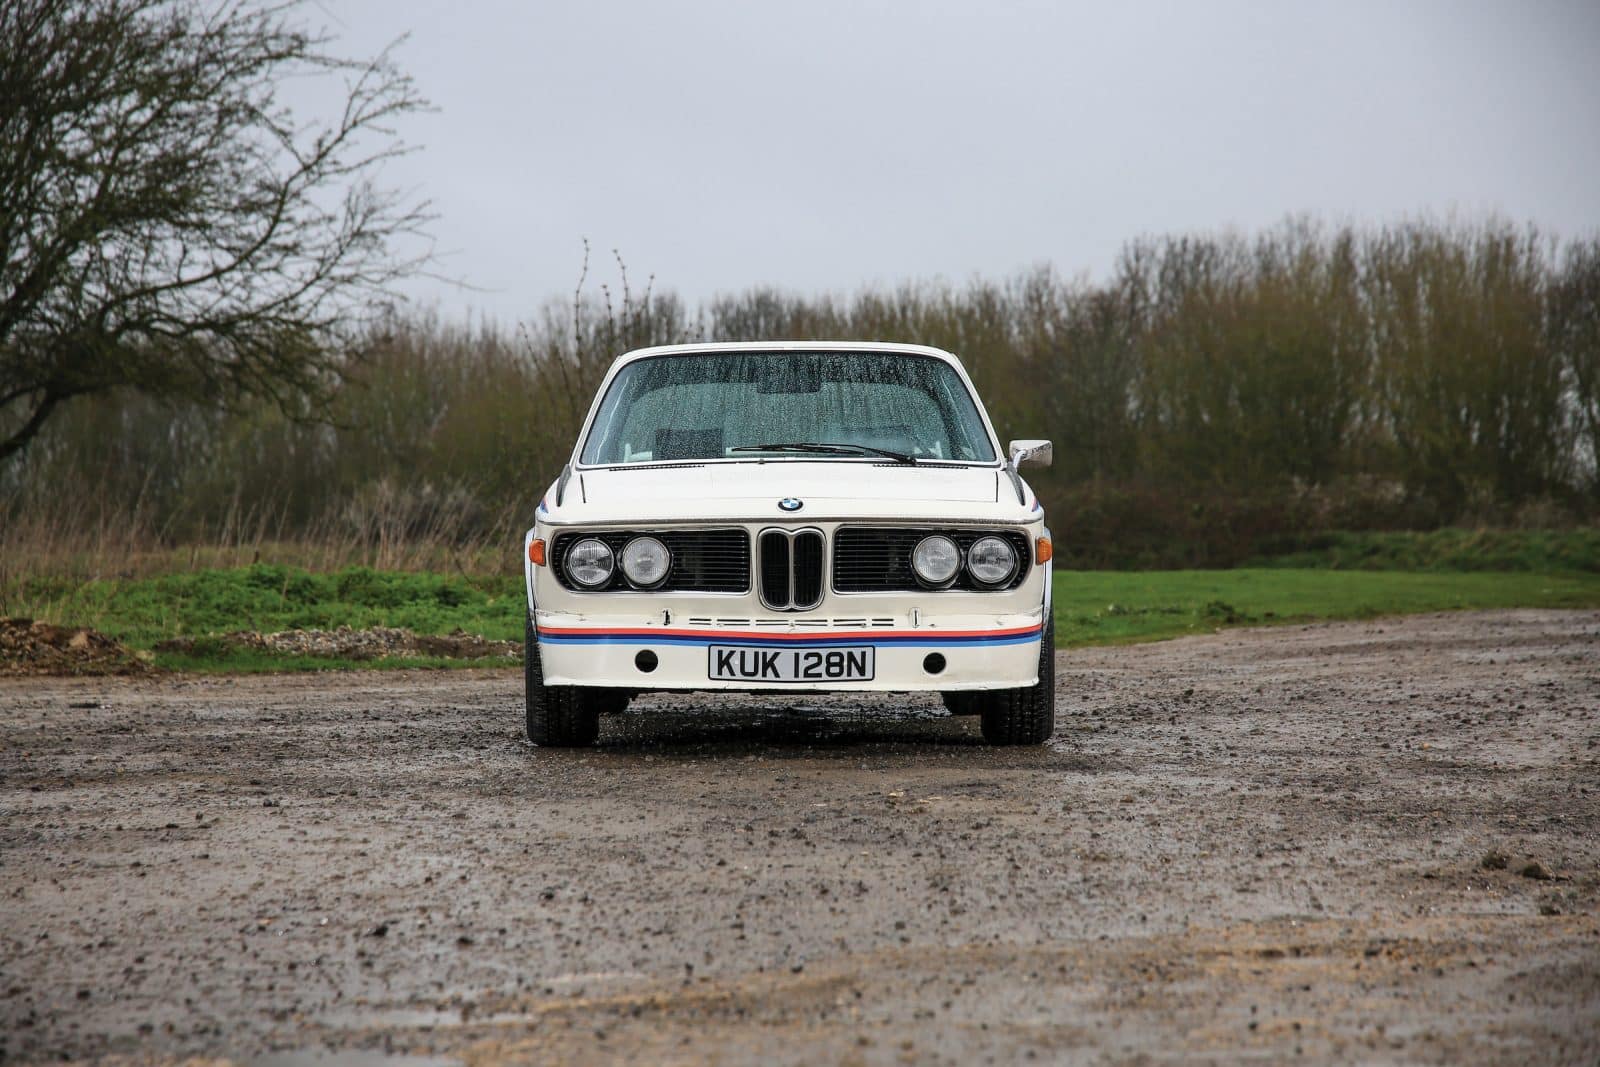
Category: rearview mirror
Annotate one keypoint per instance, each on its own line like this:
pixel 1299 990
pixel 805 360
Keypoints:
pixel 1039 452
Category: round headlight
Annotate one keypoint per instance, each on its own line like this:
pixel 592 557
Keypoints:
pixel 936 559
pixel 645 561
pixel 589 563
pixel 991 560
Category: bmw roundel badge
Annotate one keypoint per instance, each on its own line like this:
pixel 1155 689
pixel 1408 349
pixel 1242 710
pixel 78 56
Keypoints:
pixel 789 503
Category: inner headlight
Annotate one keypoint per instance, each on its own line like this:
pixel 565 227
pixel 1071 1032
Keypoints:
pixel 936 560
pixel 590 563
pixel 991 560
pixel 645 561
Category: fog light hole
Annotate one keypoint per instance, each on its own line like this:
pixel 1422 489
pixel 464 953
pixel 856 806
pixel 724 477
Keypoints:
pixel 933 663
pixel 646 661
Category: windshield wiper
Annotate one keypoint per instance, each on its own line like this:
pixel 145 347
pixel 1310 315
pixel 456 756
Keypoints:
pixel 827 448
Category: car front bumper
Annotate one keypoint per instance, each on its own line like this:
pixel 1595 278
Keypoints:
pixel 910 653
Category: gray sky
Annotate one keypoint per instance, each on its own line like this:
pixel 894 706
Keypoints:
pixel 823 146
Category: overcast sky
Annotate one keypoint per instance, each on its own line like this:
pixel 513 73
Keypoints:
pixel 824 146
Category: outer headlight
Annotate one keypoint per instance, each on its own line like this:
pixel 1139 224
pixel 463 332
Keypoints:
pixel 590 563
pixel 646 561
pixel 991 560
pixel 936 560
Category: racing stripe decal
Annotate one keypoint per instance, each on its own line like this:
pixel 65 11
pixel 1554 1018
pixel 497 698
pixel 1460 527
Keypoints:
pixel 566 635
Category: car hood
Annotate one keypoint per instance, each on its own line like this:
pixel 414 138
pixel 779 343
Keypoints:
pixel 751 492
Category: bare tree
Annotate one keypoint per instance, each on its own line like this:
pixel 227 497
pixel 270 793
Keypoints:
pixel 1574 324
pixel 167 223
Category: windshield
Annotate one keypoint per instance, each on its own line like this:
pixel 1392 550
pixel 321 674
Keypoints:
pixel 771 404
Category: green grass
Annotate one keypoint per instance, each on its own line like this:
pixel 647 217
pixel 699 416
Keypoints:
pixel 268 598
pixel 1112 607
pixel 1091 607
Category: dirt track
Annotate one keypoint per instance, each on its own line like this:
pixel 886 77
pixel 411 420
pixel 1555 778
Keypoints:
pixel 1250 845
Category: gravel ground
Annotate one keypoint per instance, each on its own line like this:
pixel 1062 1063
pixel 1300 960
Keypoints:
pixel 1373 842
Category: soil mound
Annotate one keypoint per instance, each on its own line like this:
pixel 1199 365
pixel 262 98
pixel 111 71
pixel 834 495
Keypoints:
pixel 31 647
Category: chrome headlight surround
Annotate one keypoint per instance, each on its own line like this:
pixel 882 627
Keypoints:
pixel 991 561
pixel 936 561
pixel 646 562
pixel 590 563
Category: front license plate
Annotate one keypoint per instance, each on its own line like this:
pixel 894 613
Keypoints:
pixel 748 663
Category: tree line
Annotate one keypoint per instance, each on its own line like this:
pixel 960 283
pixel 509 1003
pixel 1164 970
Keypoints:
pixel 1214 396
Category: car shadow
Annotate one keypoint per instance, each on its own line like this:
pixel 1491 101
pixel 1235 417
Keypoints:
pixel 748 728
pixel 806 725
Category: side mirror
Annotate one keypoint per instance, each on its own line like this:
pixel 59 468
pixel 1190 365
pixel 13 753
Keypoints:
pixel 1039 452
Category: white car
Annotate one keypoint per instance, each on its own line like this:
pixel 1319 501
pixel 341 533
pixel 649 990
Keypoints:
pixel 790 516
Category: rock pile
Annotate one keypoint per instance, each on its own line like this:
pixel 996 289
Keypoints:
pixel 347 643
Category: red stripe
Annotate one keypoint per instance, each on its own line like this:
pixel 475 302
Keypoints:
pixel 806 635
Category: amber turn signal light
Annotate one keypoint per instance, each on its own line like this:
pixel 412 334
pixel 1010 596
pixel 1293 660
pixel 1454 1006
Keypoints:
pixel 1043 550
pixel 536 552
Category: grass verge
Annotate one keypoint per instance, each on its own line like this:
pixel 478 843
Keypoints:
pixel 1114 607
pixel 268 598
pixel 1091 607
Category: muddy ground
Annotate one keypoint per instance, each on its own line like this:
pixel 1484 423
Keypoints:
pixel 1374 842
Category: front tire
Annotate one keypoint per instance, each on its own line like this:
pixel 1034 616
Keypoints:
pixel 559 716
pixel 1025 716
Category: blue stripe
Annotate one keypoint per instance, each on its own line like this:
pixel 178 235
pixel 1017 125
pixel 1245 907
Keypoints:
pixel 601 638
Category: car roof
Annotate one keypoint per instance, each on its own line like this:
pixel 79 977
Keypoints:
pixel 788 346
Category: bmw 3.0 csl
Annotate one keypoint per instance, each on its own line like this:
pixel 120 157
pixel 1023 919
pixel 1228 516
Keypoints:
pixel 790 517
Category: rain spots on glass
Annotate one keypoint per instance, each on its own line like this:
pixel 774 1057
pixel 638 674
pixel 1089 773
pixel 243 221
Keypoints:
pixel 718 405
